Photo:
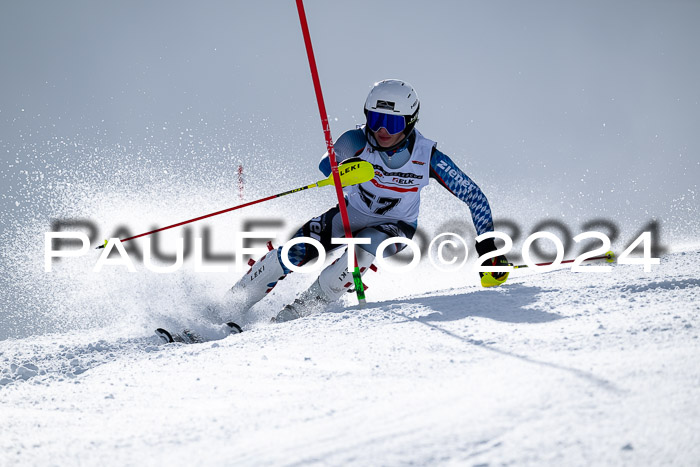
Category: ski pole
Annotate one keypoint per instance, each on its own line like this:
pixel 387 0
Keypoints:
pixel 609 257
pixel 350 173
pixel 357 278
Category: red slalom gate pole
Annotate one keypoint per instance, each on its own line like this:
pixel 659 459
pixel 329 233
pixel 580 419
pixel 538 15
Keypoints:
pixel 357 278
pixel 240 182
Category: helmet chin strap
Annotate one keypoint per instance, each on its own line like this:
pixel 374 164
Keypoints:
pixel 369 136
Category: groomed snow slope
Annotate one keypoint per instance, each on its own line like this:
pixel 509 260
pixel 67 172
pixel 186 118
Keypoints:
pixel 555 368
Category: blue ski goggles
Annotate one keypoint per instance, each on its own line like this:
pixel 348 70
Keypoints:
pixel 393 124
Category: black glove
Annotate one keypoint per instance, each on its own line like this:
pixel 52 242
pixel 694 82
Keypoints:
pixel 491 279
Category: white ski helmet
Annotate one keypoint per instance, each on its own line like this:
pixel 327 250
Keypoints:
pixel 392 97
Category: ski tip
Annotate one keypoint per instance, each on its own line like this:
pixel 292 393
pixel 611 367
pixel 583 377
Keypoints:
pixel 165 335
pixel 235 329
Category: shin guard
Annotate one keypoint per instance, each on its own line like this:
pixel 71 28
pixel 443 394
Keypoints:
pixel 260 279
pixel 335 279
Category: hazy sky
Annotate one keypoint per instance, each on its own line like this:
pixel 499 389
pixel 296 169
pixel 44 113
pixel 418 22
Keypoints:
pixel 532 92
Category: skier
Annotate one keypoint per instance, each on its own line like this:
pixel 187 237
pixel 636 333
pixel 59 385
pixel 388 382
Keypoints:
pixel 386 206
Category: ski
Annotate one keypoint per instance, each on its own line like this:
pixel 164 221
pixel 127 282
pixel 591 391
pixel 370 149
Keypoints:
pixel 187 336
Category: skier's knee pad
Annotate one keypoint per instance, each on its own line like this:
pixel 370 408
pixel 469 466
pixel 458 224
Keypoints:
pixel 335 279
